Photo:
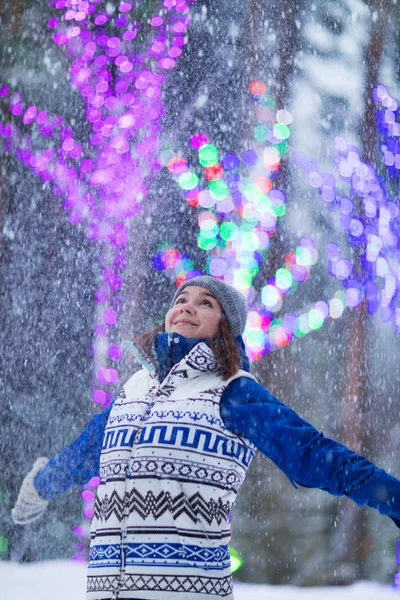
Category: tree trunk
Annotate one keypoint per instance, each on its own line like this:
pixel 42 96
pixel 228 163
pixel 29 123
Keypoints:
pixel 351 542
pixel 10 19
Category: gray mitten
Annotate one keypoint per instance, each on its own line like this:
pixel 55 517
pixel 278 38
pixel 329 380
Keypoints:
pixel 30 506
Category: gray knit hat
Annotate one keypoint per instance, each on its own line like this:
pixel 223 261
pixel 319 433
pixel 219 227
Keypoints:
pixel 233 302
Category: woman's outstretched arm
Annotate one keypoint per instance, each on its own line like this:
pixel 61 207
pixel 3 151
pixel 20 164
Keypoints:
pixel 77 463
pixel 48 478
pixel 304 454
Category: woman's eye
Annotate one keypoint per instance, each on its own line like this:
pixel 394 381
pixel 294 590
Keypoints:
pixel 180 300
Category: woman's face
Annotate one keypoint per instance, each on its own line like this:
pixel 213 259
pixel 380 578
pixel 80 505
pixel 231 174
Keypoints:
pixel 195 314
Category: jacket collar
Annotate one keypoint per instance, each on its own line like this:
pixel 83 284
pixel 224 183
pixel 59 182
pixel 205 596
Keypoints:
pixel 171 348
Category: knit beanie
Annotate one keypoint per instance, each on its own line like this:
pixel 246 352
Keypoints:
pixel 233 303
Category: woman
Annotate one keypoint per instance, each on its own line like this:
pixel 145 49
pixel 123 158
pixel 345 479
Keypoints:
pixel 173 449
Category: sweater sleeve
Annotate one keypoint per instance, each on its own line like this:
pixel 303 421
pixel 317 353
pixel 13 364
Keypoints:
pixel 77 463
pixel 304 454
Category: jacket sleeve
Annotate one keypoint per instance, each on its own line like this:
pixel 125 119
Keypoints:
pixel 77 463
pixel 304 454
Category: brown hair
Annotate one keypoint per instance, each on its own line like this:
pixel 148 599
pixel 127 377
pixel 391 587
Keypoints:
pixel 223 346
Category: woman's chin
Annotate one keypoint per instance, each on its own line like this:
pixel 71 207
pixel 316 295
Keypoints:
pixel 186 330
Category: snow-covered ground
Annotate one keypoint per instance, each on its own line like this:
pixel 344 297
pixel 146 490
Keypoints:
pixel 64 580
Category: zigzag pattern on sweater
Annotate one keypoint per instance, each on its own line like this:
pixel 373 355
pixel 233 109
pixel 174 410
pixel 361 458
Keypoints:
pixel 217 586
pixel 156 505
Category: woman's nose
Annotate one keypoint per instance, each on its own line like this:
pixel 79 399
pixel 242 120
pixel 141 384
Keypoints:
pixel 187 308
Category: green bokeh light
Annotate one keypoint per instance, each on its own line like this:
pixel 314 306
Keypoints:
pixel 218 189
pixel 208 228
pixel 248 225
pixel 255 337
pixel 206 243
pixel 247 261
pixel 188 180
pixel 275 324
pixel 341 295
pixel 250 241
pixel 281 132
pixel 303 256
pixel 278 211
pixel 267 100
pixel 243 278
pixel 315 318
pixel 228 231
pixel 207 234
pixel 283 147
pixel 299 334
pixel 271 298
pixel 252 192
pixel 208 155
pixel 260 133
pixel 264 203
pixel 3 543
pixel 254 268
pixel 236 559
pixel 304 327
pixel 283 279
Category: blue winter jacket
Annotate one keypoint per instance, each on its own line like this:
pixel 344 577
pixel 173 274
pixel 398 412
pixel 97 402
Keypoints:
pixel 304 454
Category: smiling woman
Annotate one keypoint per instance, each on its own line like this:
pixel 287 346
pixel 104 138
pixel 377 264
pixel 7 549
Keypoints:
pixel 173 449
pixel 198 302
pixel 195 313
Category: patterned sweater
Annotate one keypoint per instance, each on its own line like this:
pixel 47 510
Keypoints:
pixel 172 452
pixel 170 471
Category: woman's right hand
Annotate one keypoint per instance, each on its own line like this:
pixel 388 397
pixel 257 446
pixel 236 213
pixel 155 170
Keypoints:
pixel 30 506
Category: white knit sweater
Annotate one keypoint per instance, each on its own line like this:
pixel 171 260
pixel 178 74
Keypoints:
pixel 170 473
